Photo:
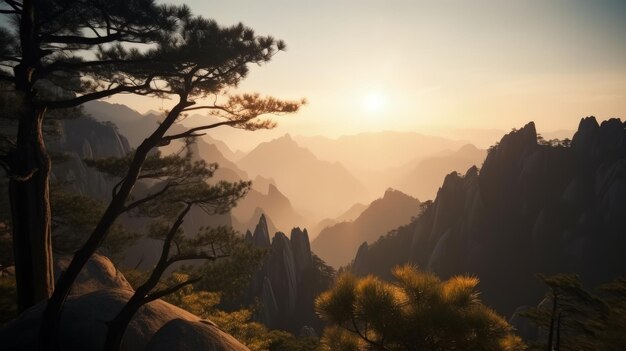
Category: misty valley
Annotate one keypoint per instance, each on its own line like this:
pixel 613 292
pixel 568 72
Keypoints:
pixel 152 200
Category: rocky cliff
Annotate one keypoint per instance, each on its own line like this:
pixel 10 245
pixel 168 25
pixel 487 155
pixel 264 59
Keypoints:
pixel 82 138
pixel 288 281
pixel 535 206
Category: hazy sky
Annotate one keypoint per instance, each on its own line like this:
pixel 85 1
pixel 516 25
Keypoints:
pixel 428 65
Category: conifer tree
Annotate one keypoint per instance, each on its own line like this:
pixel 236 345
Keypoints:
pixel 182 184
pixel 198 60
pixel 417 311
pixel 79 48
pixel 573 318
pixel 56 45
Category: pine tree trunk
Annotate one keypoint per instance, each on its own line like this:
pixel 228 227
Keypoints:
pixel 30 207
pixel 117 327
pixel 28 187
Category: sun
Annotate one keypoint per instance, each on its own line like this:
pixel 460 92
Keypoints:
pixel 374 102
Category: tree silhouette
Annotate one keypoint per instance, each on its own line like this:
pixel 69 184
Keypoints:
pixel 199 59
pixel 58 46
pixel 573 318
pixel 417 311
pixel 182 185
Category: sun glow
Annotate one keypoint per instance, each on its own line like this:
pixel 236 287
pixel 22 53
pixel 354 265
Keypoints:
pixel 374 102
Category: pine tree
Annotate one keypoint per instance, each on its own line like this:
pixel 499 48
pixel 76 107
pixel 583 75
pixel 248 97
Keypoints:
pixel 573 318
pixel 199 59
pixel 417 311
pixel 58 45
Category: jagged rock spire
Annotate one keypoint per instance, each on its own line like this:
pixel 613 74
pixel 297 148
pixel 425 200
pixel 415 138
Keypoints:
pixel 261 237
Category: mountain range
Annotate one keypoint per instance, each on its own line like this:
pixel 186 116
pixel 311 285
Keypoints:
pixel 377 150
pixel 422 177
pixel 318 186
pixel 533 207
pixel 338 244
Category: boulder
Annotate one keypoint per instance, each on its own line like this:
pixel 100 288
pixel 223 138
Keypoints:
pixel 99 273
pixel 99 294
pixel 83 322
pixel 185 335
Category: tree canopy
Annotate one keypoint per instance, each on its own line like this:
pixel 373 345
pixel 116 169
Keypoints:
pixel 417 311
pixel 573 318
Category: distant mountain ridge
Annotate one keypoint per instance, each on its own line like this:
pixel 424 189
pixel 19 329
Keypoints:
pixel 338 244
pixel 423 179
pixel 351 214
pixel 307 181
pixel 377 150
pixel 136 127
pixel 273 204
pixel 271 201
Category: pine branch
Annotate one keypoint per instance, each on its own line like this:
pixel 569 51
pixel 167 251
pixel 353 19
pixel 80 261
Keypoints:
pixel 79 40
pixel 74 66
pixel 95 96
pixel 196 256
pixel 191 132
pixel 160 293
pixel 149 197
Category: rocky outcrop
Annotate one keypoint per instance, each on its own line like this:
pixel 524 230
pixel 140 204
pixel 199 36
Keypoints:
pixel 269 311
pixel 272 202
pixel 359 265
pixel 301 250
pixel 183 335
pixel 261 236
pixel 281 270
pixel 99 273
pixel 288 281
pixel 100 293
pixel 82 138
pixel 534 207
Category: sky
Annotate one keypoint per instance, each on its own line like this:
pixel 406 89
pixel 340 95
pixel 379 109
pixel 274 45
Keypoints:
pixel 433 66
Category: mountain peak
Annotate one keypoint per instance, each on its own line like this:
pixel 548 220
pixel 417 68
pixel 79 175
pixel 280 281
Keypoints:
pixel 272 189
pixel 467 148
pixel 261 237
pixel 391 194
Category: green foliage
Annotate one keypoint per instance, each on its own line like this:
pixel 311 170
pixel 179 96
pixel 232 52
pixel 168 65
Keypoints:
pixel 230 276
pixel 180 180
pixel 74 216
pixel 237 323
pixel 335 338
pixel 417 311
pixel 572 318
